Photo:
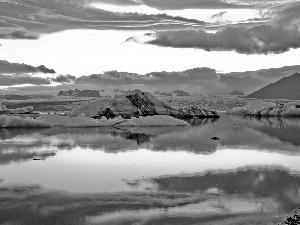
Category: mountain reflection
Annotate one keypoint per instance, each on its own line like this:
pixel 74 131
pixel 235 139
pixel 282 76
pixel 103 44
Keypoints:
pixel 201 121
pixel 278 184
pixel 124 172
pixel 266 134
pixel 283 129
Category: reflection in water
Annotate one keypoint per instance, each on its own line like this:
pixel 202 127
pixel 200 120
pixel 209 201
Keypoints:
pixel 275 122
pixel 279 184
pixel 35 205
pixel 252 195
pixel 273 134
pixel 201 121
pixel 283 129
pixel 20 156
pixel 152 175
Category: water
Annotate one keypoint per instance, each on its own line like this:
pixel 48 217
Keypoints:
pixel 251 175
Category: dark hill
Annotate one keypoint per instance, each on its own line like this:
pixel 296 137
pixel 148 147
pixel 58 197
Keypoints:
pixel 285 88
pixel 235 92
pixel 79 93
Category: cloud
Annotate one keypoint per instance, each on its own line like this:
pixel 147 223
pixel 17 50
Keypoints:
pixel 195 4
pixel 17 34
pixel 193 80
pixel 119 2
pixel 40 84
pixel 10 80
pixel 17 68
pixel 44 69
pixel 178 4
pixel 277 36
pixel 218 15
pixel 154 78
pixel 27 19
pixel 198 80
pixel 64 79
pixel 260 3
pixel 202 73
pixel 20 74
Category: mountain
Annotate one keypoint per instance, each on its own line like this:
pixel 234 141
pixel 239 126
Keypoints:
pixel 79 93
pixel 285 88
pixel 235 92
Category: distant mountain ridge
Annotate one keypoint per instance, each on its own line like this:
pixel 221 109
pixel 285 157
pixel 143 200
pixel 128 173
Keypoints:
pixel 285 88
pixel 79 93
pixel 236 92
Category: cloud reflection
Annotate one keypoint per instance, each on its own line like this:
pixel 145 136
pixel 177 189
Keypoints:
pixel 277 183
pixel 254 194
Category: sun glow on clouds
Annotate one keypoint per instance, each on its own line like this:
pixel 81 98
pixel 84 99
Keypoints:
pixel 53 84
pixel 17 86
pixel 84 52
pixel 230 15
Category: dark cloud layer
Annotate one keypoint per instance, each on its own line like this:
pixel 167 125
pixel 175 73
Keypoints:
pixel 16 79
pixel 192 76
pixel 64 79
pixel 27 19
pixel 198 80
pixel 20 74
pixel 17 34
pixel 17 68
pixel 277 36
pixel 10 80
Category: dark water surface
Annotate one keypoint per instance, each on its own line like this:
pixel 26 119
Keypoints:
pixel 249 175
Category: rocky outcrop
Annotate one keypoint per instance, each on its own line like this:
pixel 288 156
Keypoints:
pixel 120 107
pixel 138 103
pixel 79 93
pixel 24 110
pixel 292 219
pixel 147 104
pixel 277 110
pixel 195 111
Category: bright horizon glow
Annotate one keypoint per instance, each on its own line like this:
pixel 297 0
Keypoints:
pixel 231 15
pixel 85 52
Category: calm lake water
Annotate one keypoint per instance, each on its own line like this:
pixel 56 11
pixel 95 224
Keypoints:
pixel 249 175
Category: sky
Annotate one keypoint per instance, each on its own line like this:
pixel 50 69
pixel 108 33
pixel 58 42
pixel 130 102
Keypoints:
pixel 200 46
